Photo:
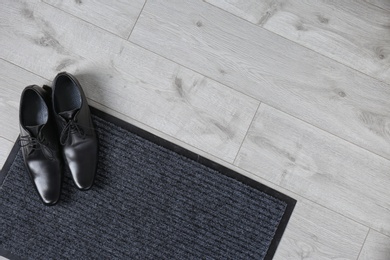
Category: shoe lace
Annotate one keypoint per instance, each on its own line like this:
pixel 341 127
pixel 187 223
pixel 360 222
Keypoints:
pixel 34 144
pixel 71 127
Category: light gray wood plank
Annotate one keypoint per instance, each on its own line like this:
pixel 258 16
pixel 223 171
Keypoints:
pixel 355 33
pixel 319 166
pixel 384 4
pixel 251 10
pixel 270 68
pixel 118 17
pixel 5 149
pixel 133 81
pixel 317 233
pixel 376 247
pixel 165 136
pixel 12 82
pixel 173 100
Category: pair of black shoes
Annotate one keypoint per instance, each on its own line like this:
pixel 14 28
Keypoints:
pixel 57 130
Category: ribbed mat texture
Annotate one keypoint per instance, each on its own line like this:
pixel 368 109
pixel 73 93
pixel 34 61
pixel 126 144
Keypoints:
pixel 148 202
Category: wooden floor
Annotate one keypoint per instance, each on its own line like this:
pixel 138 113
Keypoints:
pixel 294 94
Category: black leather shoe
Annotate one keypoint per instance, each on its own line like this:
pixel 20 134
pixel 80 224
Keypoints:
pixel 39 143
pixel 77 134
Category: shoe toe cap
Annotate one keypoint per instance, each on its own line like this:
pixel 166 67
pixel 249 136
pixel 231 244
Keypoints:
pixel 47 180
pixel 82 163
pixel 83 176
pixel 50 198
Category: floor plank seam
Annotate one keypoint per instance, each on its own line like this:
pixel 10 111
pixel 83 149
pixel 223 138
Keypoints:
pixel 193 70
pixel 364 242
pixel 136 21
pixel 312 201
pixel 139 122
pixel 291 41
pixel 212 80
pixel 246 133
pixel 302 120
pixel 380 7
pixel 217 80
pixel 161 134
pixel 298 196
pixel 24 70
pixel 260 100
pixel 247 173
pixel 74 16
pixel 6 139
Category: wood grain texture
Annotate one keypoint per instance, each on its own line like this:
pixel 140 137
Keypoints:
pixel 317 233
pixel 135 82
pixel 253 11
pixel 174 100
pixel 270 68
pixel 384 4
pixel 319 166
pixel 355 33
pixel 376 247
pixel 118 17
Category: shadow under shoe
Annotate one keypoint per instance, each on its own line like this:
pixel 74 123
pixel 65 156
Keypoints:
pixel 39 143
pixel 77 134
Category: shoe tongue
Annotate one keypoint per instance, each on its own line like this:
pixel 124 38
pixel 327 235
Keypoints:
pixel 67 115
pixel 34 129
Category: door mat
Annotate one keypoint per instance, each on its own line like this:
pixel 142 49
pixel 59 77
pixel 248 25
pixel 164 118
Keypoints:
pixel 152 199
